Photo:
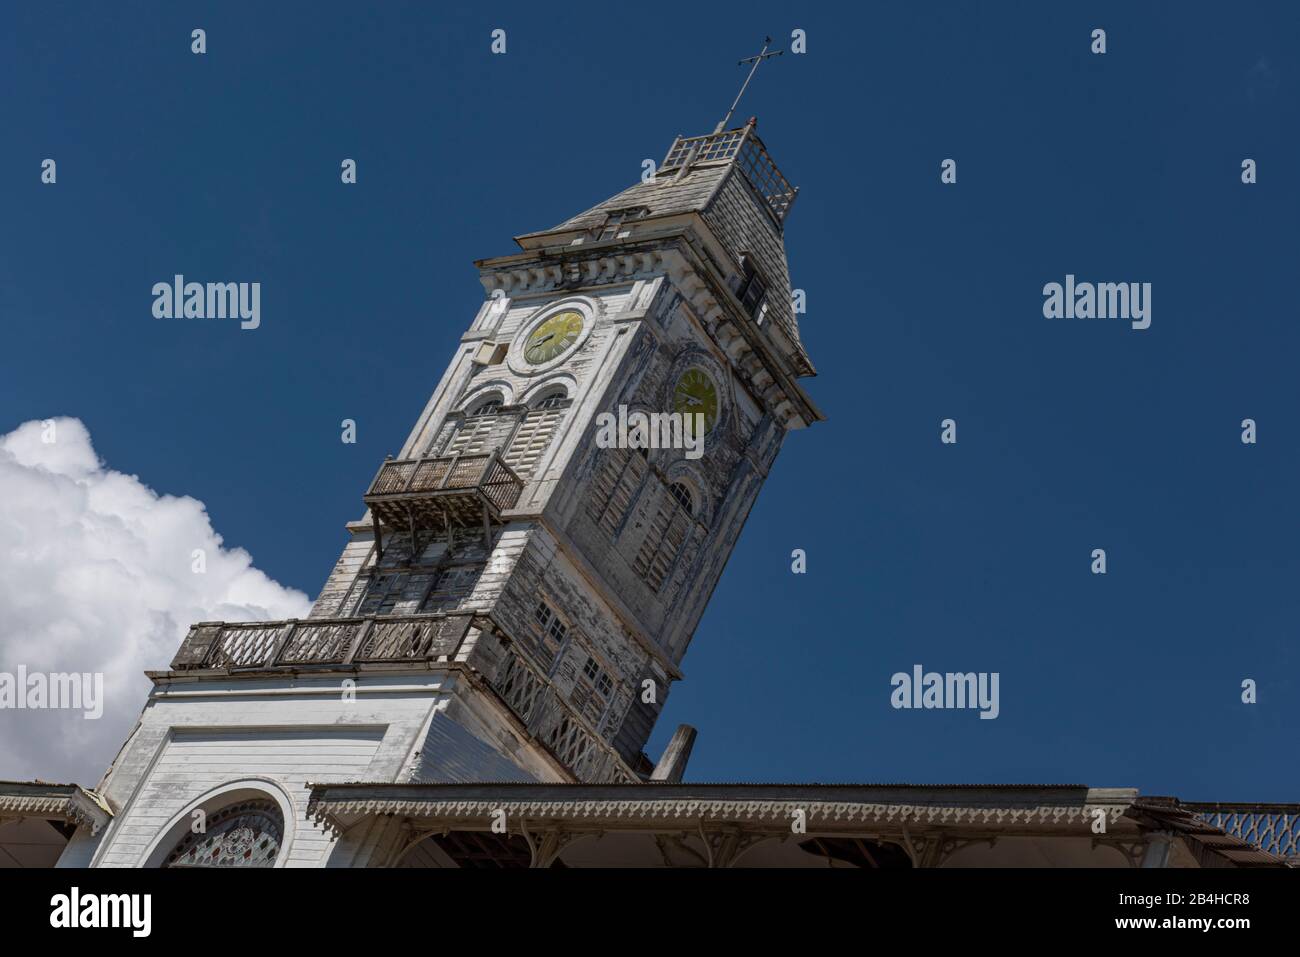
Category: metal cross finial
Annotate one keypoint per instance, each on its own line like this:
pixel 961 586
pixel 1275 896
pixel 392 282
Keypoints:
pixel 756 60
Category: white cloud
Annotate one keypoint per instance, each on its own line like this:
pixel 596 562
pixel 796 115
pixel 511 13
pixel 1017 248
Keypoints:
pixel 96 576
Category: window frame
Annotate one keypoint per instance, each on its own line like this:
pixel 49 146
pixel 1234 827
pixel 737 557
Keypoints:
pixel 491 404
pixel 752 277
pixel 554 628
pixel 616 218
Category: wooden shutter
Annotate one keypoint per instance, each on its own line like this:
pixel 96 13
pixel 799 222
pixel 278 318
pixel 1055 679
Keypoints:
pixel 615 487
pixel 663 541
pixel 532 439
pixel 608 471
pixel 480 433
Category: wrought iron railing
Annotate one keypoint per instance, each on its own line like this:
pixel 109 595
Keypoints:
pixel 324 641
pixel 1270 827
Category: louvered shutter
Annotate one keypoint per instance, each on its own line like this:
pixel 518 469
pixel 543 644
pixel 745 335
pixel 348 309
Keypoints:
pixel 612 463
pixel 624 493
pixel 662 542
pixel 532 439
pixel 480 433
pixel 615 488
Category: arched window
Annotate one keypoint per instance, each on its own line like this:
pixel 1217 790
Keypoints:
pixel 482 429
pixel 683 496
pixel 244 834
pixel 552 400
pixel 489 406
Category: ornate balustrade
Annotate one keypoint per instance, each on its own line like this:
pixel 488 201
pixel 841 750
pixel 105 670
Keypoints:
pixel 298 644
pixel 321 641
pixel 534 700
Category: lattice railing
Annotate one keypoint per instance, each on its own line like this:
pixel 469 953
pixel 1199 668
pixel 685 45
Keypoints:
pixel 766 178
pixel 450 473
pixel 519 687
pixel 401 639
pixel 501 485
pixel 393 477
pixel 708 148
pixel 574 746
pixel 537 704
pixel 311 641
pixel 321 641
pixel 241 646
pixel 429 492
pixel 747 151
pixel 1270 827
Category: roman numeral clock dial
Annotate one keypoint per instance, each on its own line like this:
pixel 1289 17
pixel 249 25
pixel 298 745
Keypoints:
pixel 695 392
pixel 553 337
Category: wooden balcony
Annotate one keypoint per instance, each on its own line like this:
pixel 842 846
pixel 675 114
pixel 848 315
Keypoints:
pixel 319 642
pixel 433 492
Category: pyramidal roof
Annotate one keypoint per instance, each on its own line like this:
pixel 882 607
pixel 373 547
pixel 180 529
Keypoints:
pixel 729 179
pixel 666 196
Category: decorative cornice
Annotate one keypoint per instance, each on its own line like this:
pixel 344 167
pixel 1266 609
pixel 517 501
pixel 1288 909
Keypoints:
pixel 773 815
pixel 595 266
pixel 573 265
pixel 70 803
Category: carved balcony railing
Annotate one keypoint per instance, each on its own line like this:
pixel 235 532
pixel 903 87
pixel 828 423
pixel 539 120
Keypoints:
pixel 1274 828
pixel 438 491
pixel 299 643
pixel 307 644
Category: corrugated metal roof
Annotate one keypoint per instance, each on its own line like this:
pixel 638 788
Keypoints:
pixel 734 784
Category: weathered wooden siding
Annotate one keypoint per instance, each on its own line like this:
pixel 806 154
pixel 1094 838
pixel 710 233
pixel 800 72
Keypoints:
pixel 193 762
pixel 737 217
pixel 598 571
pixel 413 726
pixel 356 555
pixel 292 732
pixel 724 481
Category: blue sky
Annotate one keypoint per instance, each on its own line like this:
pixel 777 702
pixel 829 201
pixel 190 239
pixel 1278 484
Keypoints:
pixel 924 302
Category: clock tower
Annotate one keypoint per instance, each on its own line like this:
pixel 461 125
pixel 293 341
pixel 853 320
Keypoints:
pixel 517 598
